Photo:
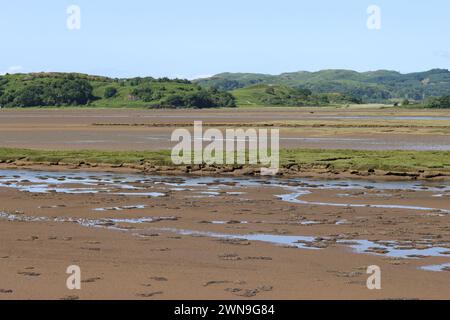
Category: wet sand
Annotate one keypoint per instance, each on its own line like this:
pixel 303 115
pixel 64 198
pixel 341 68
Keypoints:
pixel 153 237
pixel 326 128
pixel 169 237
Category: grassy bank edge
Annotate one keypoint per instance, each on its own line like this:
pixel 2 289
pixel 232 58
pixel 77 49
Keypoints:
pixel 340 160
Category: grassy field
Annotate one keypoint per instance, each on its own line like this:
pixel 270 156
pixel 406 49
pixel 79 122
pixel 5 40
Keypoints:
pixel 411 161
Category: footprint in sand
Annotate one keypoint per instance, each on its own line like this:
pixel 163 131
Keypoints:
pixel 148 235
pixel 248 293
pixel 6 291
pixel 32 238
pixel 93 242
pixel 230 257
pixel 160 249
pixel 213 282
pixel 258 258
pixel 29 274
pixel 233 290
pixel 161 279
pixel 236 242
pixel 146 284
pixel 265 288
pixel 90 280
pixel 149 295
pixel 90 249
pixel 417 256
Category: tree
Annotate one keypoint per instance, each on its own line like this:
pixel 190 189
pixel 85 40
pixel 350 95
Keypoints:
pixel 143 92
pixel 110 92
pixel 270 90
pixel 75 92
pixel 29 96
pixel 223 99
pixel 440 102
pixel 54 92
pixel 200 99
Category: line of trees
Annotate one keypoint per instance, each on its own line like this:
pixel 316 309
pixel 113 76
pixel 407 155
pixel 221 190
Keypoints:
pixel 54 92
pixel 200 99
pixel 196 97
pixel 58 89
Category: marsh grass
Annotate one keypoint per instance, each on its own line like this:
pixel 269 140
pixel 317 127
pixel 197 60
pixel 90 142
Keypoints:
pixel 411 161
pixel 370 160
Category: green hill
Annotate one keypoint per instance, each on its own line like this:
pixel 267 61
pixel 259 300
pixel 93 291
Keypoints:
pixel 226 90
pixel 73 89
pixel 374 86
pixel 278 95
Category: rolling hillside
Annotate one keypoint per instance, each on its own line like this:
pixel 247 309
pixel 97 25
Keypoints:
pixel 73 89
pixel 375 86
pixel 328 87
pixel 280 95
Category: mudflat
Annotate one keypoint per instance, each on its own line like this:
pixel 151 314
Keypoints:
pixel 150 236
pixel 134 129
pixel 156 237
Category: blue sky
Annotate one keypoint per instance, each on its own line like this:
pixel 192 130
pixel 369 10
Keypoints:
pixel 181 38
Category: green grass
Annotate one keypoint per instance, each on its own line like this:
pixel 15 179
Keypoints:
pixel 88 156
pixel 411 161
pixel 366 160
